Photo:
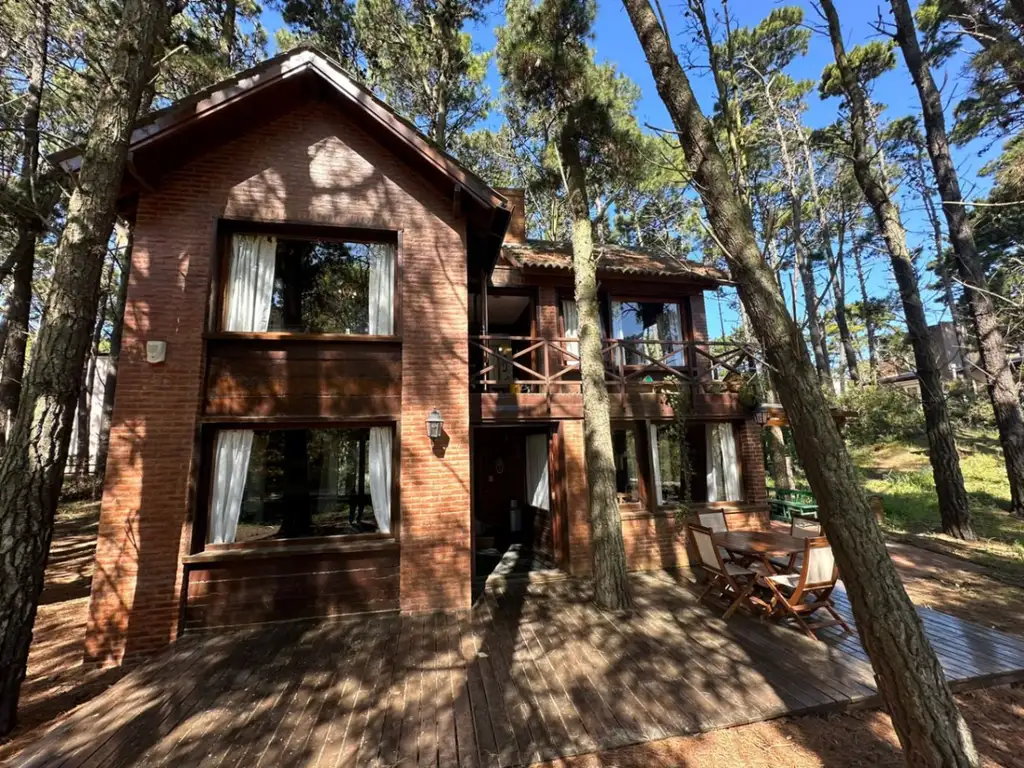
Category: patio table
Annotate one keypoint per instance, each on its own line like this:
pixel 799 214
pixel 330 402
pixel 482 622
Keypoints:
pixel 759 545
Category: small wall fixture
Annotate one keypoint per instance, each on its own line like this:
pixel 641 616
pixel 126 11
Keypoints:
pixel 156 352
pixel 434 424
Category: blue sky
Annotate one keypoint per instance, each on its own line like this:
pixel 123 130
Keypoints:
pixel 616 42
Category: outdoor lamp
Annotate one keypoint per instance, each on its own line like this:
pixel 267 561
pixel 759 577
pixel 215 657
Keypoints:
pixel 761 415
pixel 434 424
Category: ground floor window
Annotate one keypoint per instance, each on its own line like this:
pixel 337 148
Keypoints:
pixel 297 483
pixel 627 470
pixel 711 463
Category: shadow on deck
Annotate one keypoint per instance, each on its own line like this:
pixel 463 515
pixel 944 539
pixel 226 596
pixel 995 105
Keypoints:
pixel 535 672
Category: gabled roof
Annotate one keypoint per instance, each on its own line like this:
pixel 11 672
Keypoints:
pixel 545 254
pixel 303 60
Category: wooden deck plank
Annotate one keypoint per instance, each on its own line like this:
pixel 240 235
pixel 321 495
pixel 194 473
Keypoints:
pixel 329 733
pixel 458 681
pixel 189 742
pixel 535 672
pixel 494 714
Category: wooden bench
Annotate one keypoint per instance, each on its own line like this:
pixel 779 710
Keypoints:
pixel 784 503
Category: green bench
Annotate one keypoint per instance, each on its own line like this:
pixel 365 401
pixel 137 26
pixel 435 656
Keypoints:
pixel 784 503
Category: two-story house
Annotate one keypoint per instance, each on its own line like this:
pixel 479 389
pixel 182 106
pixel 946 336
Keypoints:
pixel 349 383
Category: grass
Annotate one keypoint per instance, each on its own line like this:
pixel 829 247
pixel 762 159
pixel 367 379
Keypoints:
pixel 901 475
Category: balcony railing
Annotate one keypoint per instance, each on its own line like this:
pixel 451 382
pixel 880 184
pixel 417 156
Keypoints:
pixel 533 365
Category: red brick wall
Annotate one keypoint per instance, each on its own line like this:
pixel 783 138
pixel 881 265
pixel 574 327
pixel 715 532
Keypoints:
pixel 310 166
pixel 655 540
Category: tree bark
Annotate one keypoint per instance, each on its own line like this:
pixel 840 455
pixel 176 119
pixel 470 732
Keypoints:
pixel 1002 388
pixel 869 320
pixel 32 466
pixel 954 508
pixel 85 393
pixel 910 678
pixel 611 585
pixel 116 334
pixel 782 465
pixel 19 310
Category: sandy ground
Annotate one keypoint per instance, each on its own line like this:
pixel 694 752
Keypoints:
pixel 57 682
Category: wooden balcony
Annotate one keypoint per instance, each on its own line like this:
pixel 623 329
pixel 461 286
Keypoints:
pixel 516 378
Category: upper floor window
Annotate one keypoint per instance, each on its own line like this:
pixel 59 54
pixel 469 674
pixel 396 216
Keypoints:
pixel 292 285
pixel 649 324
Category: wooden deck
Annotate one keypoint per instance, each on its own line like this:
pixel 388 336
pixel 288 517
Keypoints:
pixel 531 674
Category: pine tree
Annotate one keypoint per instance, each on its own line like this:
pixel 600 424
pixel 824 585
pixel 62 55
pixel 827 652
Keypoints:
pixel 585 111
pixel 32 466
pixel 911 680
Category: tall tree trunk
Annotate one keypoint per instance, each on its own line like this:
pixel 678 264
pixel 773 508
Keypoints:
pixel 32 466
pixel 1002 388
pixel 910 678
pixel 869 318
pixel 954 508
pixel 803 262
pixel 806 271
pixel 19 309
pixel 116 334
pixel 611 586
pixel 835 261
pixel 29 224
pixel 227 30
pixel 85 394
pixel 782 465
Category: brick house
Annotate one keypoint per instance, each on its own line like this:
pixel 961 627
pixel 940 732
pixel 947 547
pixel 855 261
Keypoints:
pixel 311 281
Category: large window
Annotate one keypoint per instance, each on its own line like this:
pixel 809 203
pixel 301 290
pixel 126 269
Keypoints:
pixel 646 326
pixel 276 284
pixel 297 483
pixel 627 470
pixel 711 462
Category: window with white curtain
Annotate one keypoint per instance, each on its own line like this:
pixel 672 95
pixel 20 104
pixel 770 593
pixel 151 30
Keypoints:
pixel 299 483
pixel 310 286
pixel 712 454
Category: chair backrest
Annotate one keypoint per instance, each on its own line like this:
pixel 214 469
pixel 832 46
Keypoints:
pixel 715 521
pixel 805 528
pixel 819 568
pixel 706 549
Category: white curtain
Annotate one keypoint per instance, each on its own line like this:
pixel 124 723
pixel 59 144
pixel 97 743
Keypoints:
pixel 250 288
pixel 571 320
pixel 723 471
pixel 380 476
pixel 537 488
pixel 655 463
pixel 382 289
pixel 250 291
pixel 230 466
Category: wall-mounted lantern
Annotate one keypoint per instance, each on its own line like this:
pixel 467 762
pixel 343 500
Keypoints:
pixel 434 424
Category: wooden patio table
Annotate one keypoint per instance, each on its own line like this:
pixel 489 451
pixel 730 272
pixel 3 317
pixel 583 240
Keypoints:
pixel 760 546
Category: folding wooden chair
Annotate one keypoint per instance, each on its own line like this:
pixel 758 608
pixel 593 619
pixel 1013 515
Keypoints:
pixel 715 522
pixel 799 528
pixel 798 596
pixel 732 581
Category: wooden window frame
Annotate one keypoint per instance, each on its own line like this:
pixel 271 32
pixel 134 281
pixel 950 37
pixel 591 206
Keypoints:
pixel 667 508
pixel 226 228
pixel 201 525
pixel 642 468
pixel 685 319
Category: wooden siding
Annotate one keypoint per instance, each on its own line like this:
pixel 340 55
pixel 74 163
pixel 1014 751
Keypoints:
pixel 300 379
pixel 294 583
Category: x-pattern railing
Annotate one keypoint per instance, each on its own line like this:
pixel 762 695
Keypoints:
pixel 546 366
